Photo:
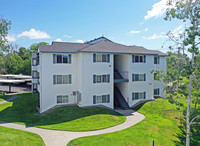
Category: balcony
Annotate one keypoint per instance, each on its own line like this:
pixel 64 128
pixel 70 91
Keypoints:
pixel 120 77
pixel 35 80
pixel 34 68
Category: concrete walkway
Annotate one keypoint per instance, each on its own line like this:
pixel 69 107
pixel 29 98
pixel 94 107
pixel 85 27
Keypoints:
pixel 9 99
pixel 62 138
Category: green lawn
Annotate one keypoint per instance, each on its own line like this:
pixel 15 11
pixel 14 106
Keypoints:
pixel 13 137
pixel 23 110
pixel 4 97
pixel 160 125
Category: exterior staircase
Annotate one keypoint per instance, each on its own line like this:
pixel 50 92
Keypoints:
pixel 119 99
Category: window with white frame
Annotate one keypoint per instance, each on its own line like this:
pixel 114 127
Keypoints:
pixel 157 92
pixel 65 59
pixel 138 59
pixel 62 79
pixel 101 78
pixel 156 60
pixel 138 95
pixel 62 99
pixel 138 77
pixel 101 99
pixel 101 57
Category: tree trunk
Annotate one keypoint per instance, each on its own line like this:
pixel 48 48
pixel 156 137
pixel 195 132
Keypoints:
pixel 188 112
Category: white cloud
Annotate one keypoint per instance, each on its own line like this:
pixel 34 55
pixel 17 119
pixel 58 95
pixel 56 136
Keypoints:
pixel 11 38
pixel 146 29
pixel 158 9
pixel 67 36
pixel 79 41
pixel 134 32
pixel 34 34
pixel 155 36
pixel 58 40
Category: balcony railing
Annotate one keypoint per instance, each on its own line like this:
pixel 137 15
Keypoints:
pixel 120 77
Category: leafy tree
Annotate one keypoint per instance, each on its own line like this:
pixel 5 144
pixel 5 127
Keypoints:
pixel 13 63
pixel 4 27
pixel 26 68
pixel 188 11
pixel 24 53
pixel 34 47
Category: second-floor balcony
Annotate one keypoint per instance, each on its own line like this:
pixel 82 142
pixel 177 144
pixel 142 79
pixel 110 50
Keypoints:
pixel 120 77
pixel 34 68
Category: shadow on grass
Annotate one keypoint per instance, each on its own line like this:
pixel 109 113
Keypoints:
pixel 23 110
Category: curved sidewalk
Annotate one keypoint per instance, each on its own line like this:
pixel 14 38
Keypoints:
pixel 62 138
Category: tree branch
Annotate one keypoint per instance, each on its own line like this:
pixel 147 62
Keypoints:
pixel 191 122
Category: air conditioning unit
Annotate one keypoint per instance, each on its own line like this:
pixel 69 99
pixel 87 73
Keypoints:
pixel 74 92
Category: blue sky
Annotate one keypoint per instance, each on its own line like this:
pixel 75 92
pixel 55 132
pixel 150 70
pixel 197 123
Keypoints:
pixel 130 22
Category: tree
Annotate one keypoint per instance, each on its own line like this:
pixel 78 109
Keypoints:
pixel 13 63
pixel 188 11
pixel 34 47
pixel 4 27
pixel 24 53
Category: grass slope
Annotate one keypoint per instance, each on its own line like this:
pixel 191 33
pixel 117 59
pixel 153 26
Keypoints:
pixel 159 125
pixel 4 97
pixel 15 137
pixel 23 110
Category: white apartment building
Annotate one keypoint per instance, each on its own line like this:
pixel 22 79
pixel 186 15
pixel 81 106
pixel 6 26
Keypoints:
pixel 95 73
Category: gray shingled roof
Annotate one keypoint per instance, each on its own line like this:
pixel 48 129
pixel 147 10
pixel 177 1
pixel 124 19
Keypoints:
pixel 103 46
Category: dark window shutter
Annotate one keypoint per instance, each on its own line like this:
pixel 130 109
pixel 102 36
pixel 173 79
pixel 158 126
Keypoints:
pixel 144 77
pixel 108 58
pixel 108 78
pixel 54 58
pixel 158 60
pixel 158 91
pixel 70 79
pixel 94 57
pixel 144 95
pixel 144 58
pixel 70 58
pixel 94 99
pixel 133 96
pixel 133 59
pixel 94 79
pixel 133 77
pixel 108 98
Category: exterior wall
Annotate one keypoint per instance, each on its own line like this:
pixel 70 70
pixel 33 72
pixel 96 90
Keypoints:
pixel 149 84
pixel 89 68
pixel 48 91
pixel 158 84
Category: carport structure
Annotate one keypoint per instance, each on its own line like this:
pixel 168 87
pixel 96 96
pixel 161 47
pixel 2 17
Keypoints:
pixel 11 82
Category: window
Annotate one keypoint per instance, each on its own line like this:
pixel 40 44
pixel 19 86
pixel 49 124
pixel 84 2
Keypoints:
pixel 138 59
pixel 59 99
pixel 62 99
pixel 59 79
pixel 101 57
pixel 138 95
pixel 62 79
pixel 101 99
pixel 65 59
pixel 59 58
pixel 35 74
pixel 156 60
pixel 138 77
pixel 157 91
pixel 101 78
